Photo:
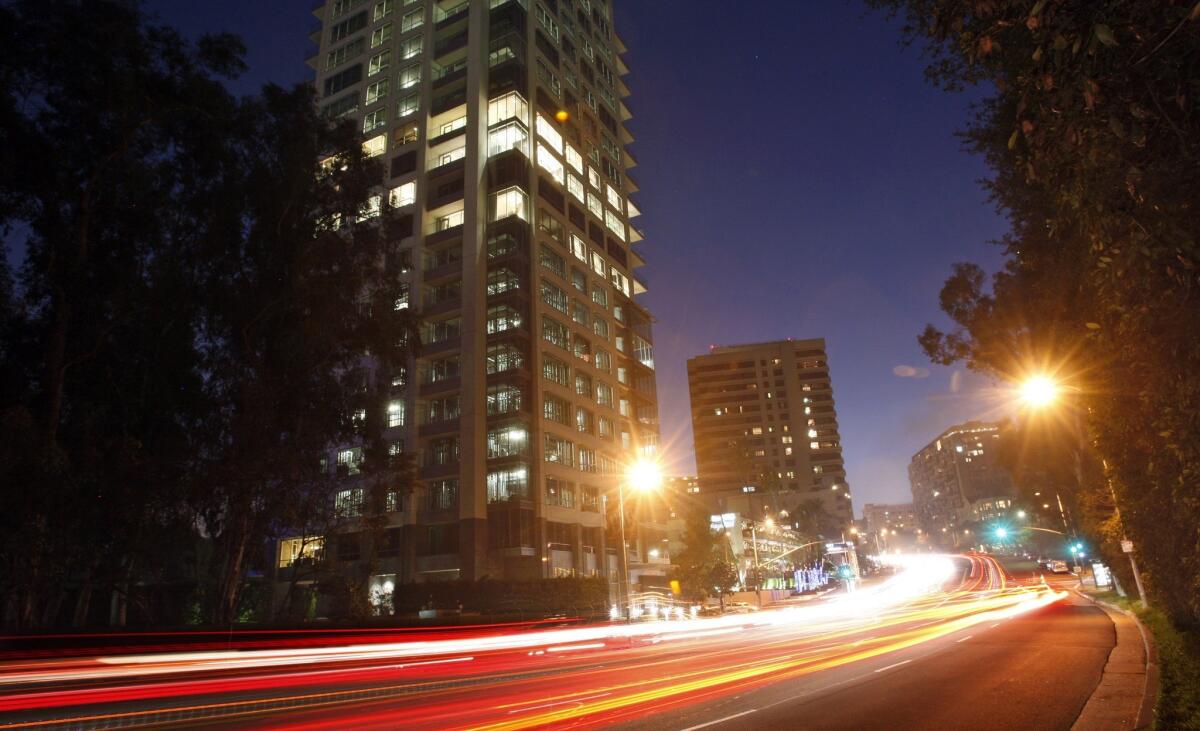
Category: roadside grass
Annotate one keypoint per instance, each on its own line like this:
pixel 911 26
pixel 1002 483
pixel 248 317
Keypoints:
pixel 1179 670
pixel 1178 703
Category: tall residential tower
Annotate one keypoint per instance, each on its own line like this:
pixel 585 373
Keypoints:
pixel 956 480
pixel 501 127
pixel 765 429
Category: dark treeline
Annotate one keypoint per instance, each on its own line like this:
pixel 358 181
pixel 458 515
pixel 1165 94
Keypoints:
pixel 1092 134
pixel 185 305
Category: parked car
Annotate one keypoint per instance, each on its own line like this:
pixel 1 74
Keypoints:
pixel 1059 567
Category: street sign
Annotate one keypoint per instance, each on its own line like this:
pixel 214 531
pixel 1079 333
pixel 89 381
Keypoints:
pixel 1126 546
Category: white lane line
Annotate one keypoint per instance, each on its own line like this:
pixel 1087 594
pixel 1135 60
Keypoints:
pixel 994 626
pixel 894 665
pixel 559 703
pixel 720 720
pixel 964 639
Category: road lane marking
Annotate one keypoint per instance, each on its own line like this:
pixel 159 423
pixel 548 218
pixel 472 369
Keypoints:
pixel 964 639
pixel 559 703
pixel 894 665
pixel 569 648
pixel 720 720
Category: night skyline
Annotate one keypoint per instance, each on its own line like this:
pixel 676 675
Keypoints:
pixel 880 200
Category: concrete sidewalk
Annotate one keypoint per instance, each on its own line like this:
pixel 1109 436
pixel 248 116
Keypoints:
pixel 1125 697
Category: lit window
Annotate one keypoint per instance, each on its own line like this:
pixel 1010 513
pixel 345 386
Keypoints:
pixel 614 198
pixel 814 445
pixel 614 223
pixel 410 76
pixel 374 120
pixel 415 19
pixel 404 195
pixel 510 202
pixel 598 265
pixel 549 163
pixel 450 220
pixel 371 209
pixel 454 124
pixel 510 106
pixel 395 413
pixel 375 146
pixel 376 91
pixel 594 205
pixel 450 156
pixel 594 178
pixel 546 131
pixel 381 35
pixel 379 62
pixel 412 47
pixel 578 248
pixel 575 187
pixel 574 159
pixel 408 105
pixel 507 137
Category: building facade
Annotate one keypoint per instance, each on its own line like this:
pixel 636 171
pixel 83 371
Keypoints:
pixel 898 517
pixel 956 479
pixel 501 127
pixel 766 432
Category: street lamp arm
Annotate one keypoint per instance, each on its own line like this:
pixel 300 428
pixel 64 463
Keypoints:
pixel 1044 530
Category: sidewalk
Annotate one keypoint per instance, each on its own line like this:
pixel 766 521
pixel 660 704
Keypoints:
pixel 1125 697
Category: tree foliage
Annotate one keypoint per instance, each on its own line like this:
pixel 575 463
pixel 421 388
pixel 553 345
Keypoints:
pixel 704 568
pixel 187 330
pixel 1092 134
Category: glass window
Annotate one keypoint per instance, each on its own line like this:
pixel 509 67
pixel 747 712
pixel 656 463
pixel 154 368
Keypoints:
pixel 578 248
pixel 555 332
pixel 549 163
pixel 503 399
pixel 395 413
pixel 410 76
pixel 510 106
pixel 503 357
pixel 507 441
pixel 614 223
pixel 408 105
pixel 575 187
pixel 574 159
pixel 376 91
pixel 600 327
pixel 603 361
pixel 554 409
pixel 415 19
pixel 510 202
pixel 381 35
pixel 375 146
pixel 502 318
pixel 379 62
pixel 594 205
pixel 374 120
pixel 412 47
pixel 559 451
pixel 509 136
pixel 604 394
pixel 560 493
pixel 546 131
pixel 508 484
pixel 403 195
pixel 555 370
pixel 443 495
pixel 598 264
pixel 614 197
pixel 550 259
pixel 554 296
pixel 502 280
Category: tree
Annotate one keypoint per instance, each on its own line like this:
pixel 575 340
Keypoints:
pixel 109 126
pixel 1092 134
pixel 703 567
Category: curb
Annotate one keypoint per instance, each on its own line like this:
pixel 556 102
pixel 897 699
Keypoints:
pixel 1128 687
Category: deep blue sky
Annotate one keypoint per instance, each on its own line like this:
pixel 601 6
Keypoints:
pixel 798 179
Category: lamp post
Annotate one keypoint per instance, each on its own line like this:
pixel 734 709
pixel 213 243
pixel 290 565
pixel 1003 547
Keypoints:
pixel 642 476
pixel 1041 391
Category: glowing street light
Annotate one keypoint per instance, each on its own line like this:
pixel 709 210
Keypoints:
pixel 1039 391
pixel 642 476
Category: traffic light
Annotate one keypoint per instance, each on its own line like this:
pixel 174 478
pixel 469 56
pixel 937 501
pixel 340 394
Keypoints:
pixel 1001 532
pixel 845 572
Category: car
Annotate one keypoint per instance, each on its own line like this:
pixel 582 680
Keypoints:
pixel 739 608
pixel 1059 567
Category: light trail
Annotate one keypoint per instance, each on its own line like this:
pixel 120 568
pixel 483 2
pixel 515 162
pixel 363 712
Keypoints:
pixel 585 675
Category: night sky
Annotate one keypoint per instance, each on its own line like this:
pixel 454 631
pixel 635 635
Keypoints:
pixel 798 178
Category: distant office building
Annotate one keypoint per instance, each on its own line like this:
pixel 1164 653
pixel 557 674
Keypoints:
pixel 956 479
pixel 765 429
pixel 897 517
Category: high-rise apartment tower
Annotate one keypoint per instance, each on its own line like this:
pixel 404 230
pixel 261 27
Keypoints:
pixel 956 480
pixel 501 127
pixel 765 429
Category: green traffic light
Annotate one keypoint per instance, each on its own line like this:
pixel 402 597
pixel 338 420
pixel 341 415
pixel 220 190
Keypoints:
pixel 1001 532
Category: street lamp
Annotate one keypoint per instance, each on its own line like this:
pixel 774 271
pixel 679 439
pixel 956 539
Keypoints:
pixel 642 476
pixel 1039 391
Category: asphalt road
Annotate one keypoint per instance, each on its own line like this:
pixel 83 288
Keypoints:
pixel 976 649
pixel 1035 671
